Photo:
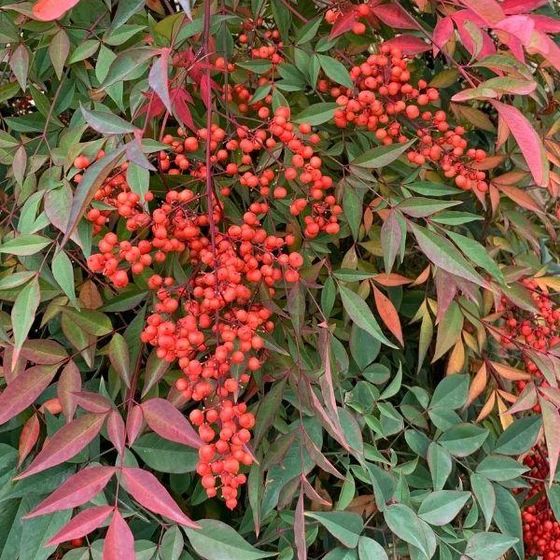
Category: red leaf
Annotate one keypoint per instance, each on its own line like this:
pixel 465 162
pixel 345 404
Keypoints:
pixel 134 422
pixel 395 16
pixel 409 44
pixel 146 489
pixel 489 11
pixel 119 541
pixel 28 438
pixel 343 23
pixel 528 140
pixel 180 99
pixel 116 431
pixel 79 489
pixel 24 390
pixel 158 78
pixel 522 6
pixel 519 26
pixel 66 443
pixel 84 523
pixel 49 10
pixel 165 420
pixel 388 313
pixel 546 24
pixel 93 402
pixel 69 382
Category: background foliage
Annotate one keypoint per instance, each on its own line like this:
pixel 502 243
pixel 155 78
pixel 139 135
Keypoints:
pixel 406 397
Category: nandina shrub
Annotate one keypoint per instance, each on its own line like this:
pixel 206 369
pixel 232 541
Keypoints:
pixel 279 279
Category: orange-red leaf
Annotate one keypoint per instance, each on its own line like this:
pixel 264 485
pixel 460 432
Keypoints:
pixel 510 373
pixel 28 438
pixel 388 313
pixel 49 10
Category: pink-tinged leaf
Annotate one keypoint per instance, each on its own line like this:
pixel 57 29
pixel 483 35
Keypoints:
pixel 521 27
pixel 526 400
pixel 542 44
pixel 551 424
pixel 66 443
pixel 443 31
pixel 158 78
pixel 344 23
pixel 527 139
pixel 155 369
pixel 312 494
pixel 148 491
pixel 83 524
pixel 395 16
pixel 24 390
pixel 489 10
pixel 119 541
pixel 165 420
pixel 79 489
pixel 512 7
pixel 49 10
pixel 546 24
pixel 134 422
pixel 70 382
pixel 299 529
pixel 477 42
pixel 116 431
pixel 93 402
pixel 388 313
pixel 28 438
pixel 43 352
pixel 409 44
pixel 521 197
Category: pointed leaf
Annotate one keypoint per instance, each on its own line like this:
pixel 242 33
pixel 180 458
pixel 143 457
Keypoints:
pixel 23 314
pixel 79 489
pixel 119 541
pixel 49 10
pixel 120 357
pixel 84 523
pixel 66 443
pixel 148 491
pixel 164 419
pixel 388 313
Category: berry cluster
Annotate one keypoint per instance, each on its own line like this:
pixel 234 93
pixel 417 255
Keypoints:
pixel 212 324
pixel 541 531
pixel 386 102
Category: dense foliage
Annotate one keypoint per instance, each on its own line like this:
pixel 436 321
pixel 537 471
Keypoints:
pixel 279 278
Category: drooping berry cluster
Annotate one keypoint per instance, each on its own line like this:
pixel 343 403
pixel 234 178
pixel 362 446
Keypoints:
pixel 541 531
pixel 386 102
pixel 212 324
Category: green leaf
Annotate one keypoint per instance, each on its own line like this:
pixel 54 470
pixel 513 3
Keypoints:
pixel 484 493
pixel 361 315
pixel 343 525
pixel 92 322
pixel 316 114
pixel 488 546
pixel 451 392
pixel 381 156
pixel 440 508
pixel 477 253
pixel 64 274
pixel 84 50
pixel 499 468
pixel 16 279
pixel 306 32
pixel 23 311
pixel 463 439
pixel 172 544
pixel 393 233
pixel 106 122
pixel 410 528
pixel 443 254
pixel 120 357
pixel 368 549
pixel 256 66
pixel 519 436
pixel 138 178
pixel 335 70
pixel 440 463
pixel 420 207
pixel 25 245
pixel 59 47
pixel 217 541
pixel 165 456
pixel 508 518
